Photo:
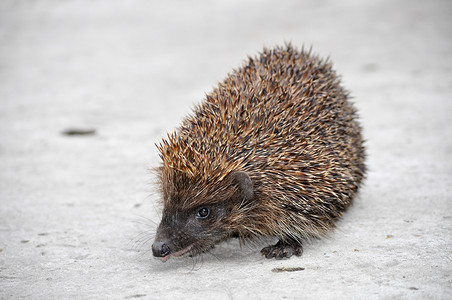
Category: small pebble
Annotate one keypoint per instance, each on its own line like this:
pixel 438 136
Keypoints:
pixel 79 131
pixel 284 269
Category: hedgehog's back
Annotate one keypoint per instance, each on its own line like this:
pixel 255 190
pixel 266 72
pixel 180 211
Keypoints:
pixel 284 119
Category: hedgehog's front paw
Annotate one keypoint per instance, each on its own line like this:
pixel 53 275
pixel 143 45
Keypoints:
pixel 281 250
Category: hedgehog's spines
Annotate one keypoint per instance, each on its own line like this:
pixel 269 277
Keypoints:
pixel 283 119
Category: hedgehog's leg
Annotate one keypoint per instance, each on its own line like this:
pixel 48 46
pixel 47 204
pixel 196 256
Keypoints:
pixel 282 249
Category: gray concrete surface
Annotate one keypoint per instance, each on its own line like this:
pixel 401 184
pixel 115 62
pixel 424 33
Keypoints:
pixel 78 213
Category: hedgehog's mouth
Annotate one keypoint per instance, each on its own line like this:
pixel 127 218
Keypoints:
pixel 178 253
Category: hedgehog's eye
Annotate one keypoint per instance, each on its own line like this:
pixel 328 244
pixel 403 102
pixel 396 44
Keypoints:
pixel 203 213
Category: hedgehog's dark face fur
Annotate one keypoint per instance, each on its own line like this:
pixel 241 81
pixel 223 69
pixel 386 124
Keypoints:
pixel 187 228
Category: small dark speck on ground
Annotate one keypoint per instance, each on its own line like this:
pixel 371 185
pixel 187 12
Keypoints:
pixel 284 269
pixel 43 234
pixel 137 205
pixel 79 131
pixel 24 241
pixel 413 288
pixel 136 296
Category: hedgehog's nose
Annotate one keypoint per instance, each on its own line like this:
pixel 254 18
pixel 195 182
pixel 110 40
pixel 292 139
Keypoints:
pixel 160 249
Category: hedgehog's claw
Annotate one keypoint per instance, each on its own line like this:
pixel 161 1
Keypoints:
pixel 281 250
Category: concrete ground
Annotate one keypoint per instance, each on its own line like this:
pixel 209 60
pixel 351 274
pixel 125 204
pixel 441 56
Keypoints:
pixel 78 213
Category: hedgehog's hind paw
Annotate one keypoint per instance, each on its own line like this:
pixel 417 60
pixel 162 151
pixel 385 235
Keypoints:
pixel 282 249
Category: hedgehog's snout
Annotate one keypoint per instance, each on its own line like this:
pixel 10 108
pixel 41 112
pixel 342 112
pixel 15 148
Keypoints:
pixel 160 249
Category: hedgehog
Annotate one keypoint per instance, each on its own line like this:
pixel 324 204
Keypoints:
pixel 274 151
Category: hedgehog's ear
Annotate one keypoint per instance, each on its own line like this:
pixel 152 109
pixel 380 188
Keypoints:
pixel 244 183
